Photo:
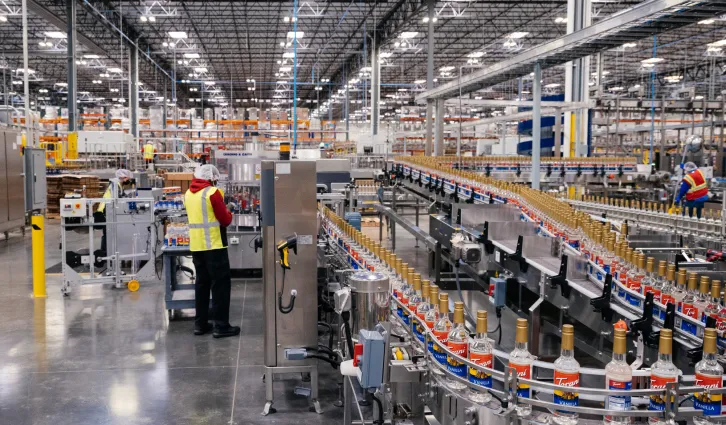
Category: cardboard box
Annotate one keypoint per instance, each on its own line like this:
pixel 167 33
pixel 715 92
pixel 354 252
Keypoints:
pixel 182 180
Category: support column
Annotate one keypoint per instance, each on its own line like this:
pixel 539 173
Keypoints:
pixel 536 124
pixel 134 91
pixel 439 140
pixel 347 111
pixel 558 132
pixel 375 91
pixel 26 85
pixel 72 90
pixel 719 154
pixel 428 147
pixel 579 16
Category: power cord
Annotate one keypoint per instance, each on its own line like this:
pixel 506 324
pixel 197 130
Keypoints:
pixel 285 309
pixel 379 421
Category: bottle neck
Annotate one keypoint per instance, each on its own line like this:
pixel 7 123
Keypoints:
pixel 617 357
pixel 709 356
pixel 522 346
pixel 482 336
pixel 566 353
pixel 668 358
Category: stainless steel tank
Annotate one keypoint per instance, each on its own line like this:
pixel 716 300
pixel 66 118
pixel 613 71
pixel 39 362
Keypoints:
pixel 371 299
pixel 243 171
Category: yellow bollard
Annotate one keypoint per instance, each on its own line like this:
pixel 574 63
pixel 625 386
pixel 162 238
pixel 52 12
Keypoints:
pixel 38 233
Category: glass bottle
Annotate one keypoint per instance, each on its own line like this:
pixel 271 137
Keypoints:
pixel 521 361
pixel 432 315
pixel 567 373
pixel 480 352
pixel 402 288
pixel 662 372
pixel 681 290
pixel 414 298
pixel 624 270
pixel 721 323
pixel 607 257
pixel 709 374
pixel 714 306
pixel 617 262
pixel 422 308
pixel 688 306
pixel 668 288
pixel 703 299
pixel 441 331
pixel 458 343
pixel 406 290
pixel 635 277
pixel 618 376
pixel 649 282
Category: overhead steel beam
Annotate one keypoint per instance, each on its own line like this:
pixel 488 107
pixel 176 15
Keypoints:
pixel 62 25
pixel 648 18
pixel 494 103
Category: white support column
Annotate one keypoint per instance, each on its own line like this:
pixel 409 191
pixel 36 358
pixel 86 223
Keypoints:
pixel 72 85
pixel 439 140
pixel 577 79
pixel 26 84
pixel 428 147
pixel 134 91
pixel 558 133
pixel 375 91
pixel 536 124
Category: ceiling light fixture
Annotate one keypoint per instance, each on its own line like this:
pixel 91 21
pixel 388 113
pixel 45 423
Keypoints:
pixel 426 19
pixel 706 22
pixel 288 55
pixel 115 70
pixel 652 60
pixel 475 54
pixel 517 35
pixel 560 20
pixel 201 70
pixel 420 82
pixel 177 34
pixel 3 18
pixel 406 35
pixel 192 55
pixel 295 35
pixel 55 34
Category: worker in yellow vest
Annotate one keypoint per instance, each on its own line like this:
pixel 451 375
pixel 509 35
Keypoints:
pixel 148 151
pixel 208 220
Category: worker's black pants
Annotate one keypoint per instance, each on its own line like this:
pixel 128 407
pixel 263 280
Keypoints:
pixel 213 275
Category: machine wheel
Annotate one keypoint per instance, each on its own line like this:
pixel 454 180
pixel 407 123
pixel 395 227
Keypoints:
pixel 133 285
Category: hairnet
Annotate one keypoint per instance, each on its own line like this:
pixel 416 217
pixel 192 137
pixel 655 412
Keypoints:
pixel 120 174
pixel 690 167
pixel 207 172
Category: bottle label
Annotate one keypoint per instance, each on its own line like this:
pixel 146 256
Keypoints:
pixel 523 371
pixel 454 366
pixel 709 403
pixel 430 342
pixel 567 379
pixel 480 377
pixel 691 311
pixel 656 292
pixel 657 401
pixel 666 299
pixel 442 337
pixel 618 402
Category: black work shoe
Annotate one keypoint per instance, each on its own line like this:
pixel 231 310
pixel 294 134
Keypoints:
pixel 201 330
pixel 225 332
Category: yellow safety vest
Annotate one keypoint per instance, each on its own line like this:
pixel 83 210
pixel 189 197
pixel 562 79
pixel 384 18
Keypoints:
pixel 205 233
pixel 148 151
pixel 107 195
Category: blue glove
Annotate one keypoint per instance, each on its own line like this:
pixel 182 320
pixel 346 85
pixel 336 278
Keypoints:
pixel 678 199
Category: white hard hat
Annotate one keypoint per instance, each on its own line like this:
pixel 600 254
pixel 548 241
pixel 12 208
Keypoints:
pixel 207 172
pixel 690 167
pixel 120 174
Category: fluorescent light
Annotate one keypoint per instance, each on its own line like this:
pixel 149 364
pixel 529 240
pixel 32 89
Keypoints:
pixel 200 70
pixel 191 55
pixel 152 19
pixel 447 68
pixel 629 45
pixel 385 54
pixel 285 69
pixel 699 97
pixel 22 70
pixel 298 35
pixel 55 34
pixel 652 60
pixel 560 20
pixel 3 18
pixel 706 22
pixel 143 18
pixel 177 34
pixel 114 70
pixel 717 43
pixel 288 55
pixel 475 54
pixel 420 82
pixel 552 86
pixel 426 19
pixel 617 88
pixel 408 34
pixel 61 84
pixel 518 34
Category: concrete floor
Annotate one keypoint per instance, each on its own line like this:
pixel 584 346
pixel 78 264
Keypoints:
pixel 107 356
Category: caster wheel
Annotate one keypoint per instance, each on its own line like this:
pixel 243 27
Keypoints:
pixel 172 315
pixel 133 285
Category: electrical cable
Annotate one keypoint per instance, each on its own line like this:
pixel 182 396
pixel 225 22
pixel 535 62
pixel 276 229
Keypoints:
pixel 332 333
pixel 348 337
pixel 323 358
pixel 380 410
pixel 285 309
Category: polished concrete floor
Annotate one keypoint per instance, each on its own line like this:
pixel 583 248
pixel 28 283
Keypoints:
pixel 108 356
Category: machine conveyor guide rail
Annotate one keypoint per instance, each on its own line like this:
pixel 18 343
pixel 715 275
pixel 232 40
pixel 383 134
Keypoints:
pixel 508 377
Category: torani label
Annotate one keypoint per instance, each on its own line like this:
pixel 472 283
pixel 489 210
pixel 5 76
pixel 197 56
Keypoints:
pixel 709 403
pixel 442 337
pixel 657 401
pixel 523 371
pixel 480 377
pixel 568 379
pixel 454 366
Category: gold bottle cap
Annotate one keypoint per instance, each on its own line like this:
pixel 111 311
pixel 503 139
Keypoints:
pixel 704 285
pixel 425 289
pixel 619 341
pixel 671 273
pixel 417 283
pixel 521 333
pixel 641 261
pixel 681 277
pixel 433 293
pixel 458 312
pixel 716 289
pixel 481 322
pixel 662 268
pixel 709 341
pixel 650 265
pixel 443 303
pixel 665 346
pixel 692 281
pixel 568 337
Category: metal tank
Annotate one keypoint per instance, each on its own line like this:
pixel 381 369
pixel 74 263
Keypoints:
pixel 371 299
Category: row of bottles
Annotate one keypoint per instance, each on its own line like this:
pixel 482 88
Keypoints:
pixel 424 300
pixel 651 206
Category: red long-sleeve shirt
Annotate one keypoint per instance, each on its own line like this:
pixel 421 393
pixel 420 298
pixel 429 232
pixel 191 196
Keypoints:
pixel 220 209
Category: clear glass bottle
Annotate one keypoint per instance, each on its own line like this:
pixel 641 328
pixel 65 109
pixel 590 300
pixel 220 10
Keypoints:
pixel 607 257
pixel 714 306
pixel 662 372
pixel 567 373
pixel 441 332
pixel 624 270
pixel 432 315
pixel 422 308
pixel 521 361
pixel 709 374
pixel 668 289
pixel 681 290
pixel 402 287
pixel 414 298
pixel 704 297
pixel 458 343
pixel 407 290
pixel 650 282
pixel 688 306
pixel 618 376
pixel 635 277
pixel 480 352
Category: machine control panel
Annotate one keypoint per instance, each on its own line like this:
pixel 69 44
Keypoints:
pixel 73 207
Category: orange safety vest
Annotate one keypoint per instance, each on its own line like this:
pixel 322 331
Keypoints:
pixel 699 188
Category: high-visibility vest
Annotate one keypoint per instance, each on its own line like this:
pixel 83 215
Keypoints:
pixel 107 194
pixel 148 151
pixel 699 188
pixel 205 233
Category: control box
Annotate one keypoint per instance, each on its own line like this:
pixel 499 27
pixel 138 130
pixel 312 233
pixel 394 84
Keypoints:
pixel 370 363
pixel 498 287
pixel 73 207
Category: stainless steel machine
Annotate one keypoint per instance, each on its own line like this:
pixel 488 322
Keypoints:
pixel 289 234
